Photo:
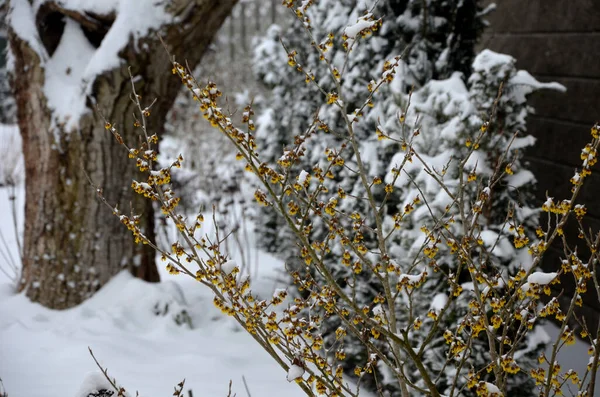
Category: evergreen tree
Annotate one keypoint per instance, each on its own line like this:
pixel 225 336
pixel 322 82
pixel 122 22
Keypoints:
pixel 407 29
pixel 459 120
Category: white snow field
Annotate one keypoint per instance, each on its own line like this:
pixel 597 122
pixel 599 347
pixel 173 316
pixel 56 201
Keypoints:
pixel 44 353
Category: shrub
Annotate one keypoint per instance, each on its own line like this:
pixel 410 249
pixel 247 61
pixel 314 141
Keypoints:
pixel 419 247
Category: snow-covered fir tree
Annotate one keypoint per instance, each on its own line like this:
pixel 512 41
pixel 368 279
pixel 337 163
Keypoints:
pixel 465 131
pixel 455 113
pixel 431 50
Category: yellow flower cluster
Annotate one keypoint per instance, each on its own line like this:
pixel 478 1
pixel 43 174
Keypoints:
pixel 331 205
pixel 580 211
pixel 520 239
pixel 364 33
pixel 261 197
pixel 160 177
pixel 144 189
pixel 411 281
pixel 170 202
pixel 486 389
pixel 509 365
pixel 172 269
pixel 568 336
pixel 589 156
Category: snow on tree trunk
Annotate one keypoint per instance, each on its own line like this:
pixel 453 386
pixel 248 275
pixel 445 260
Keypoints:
pixel 69 59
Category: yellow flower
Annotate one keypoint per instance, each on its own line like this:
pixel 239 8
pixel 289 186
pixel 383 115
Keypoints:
pixel 331 98
pixel 172 269
pixel 496 321
pixel 336 74
pixel 418 323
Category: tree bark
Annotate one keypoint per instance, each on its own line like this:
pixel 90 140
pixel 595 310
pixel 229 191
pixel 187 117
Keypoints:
pixel 72 243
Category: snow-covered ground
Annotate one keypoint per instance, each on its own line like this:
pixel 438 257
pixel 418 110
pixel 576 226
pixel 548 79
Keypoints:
pixel 45 353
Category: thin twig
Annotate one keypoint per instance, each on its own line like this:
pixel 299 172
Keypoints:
pixel 246 386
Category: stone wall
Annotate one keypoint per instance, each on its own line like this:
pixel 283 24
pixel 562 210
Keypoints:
pixel 557 40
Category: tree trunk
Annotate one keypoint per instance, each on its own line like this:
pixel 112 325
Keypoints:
pixel 72 243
